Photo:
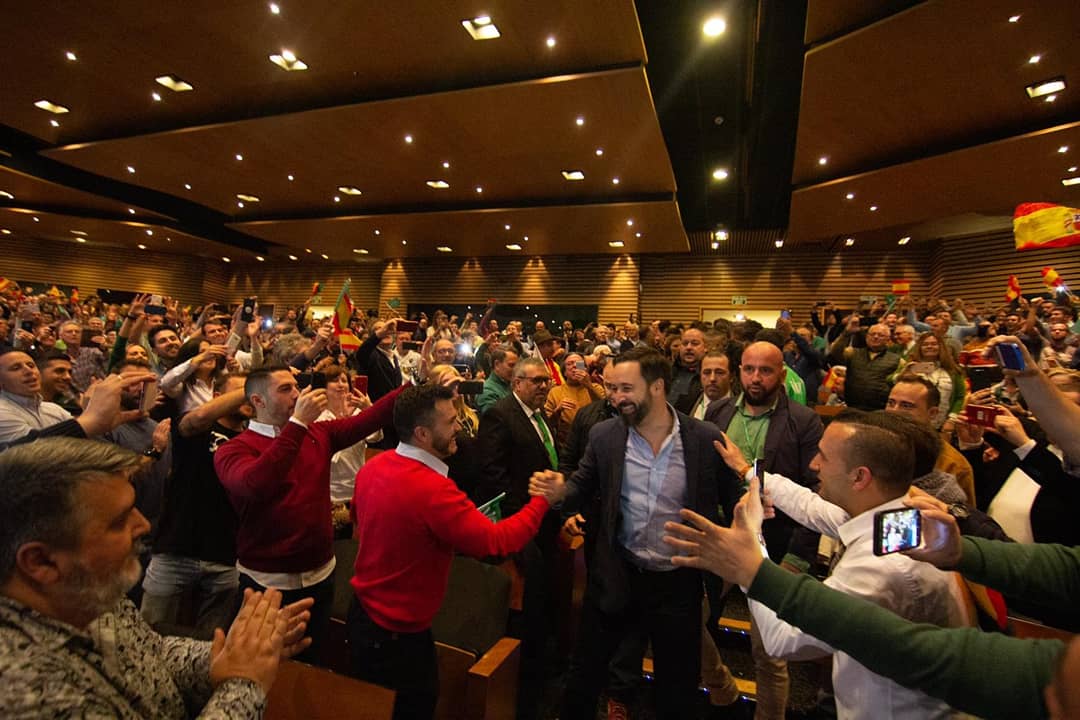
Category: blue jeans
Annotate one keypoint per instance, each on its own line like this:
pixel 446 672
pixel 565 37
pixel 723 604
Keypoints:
pixel 168 580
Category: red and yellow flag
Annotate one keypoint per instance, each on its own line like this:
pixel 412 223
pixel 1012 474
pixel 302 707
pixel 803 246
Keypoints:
pixel 1012 292
pixel 1051 278
pixel 316 289
pixel 901 287
pixel 4 284
pixel 1045 225
pixel 343 311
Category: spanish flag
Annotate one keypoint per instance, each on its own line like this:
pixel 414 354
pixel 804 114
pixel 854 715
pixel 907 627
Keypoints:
pixel 1045 225
pixel 343 311
pixel 4 284
pixel 316 289
pixel 901 287
pixel 1012 292
pixel 1051 278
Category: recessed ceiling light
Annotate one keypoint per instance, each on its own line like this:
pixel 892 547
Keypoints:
pixel 37 219
pixel 850 196
pixel 130 169
pixel 4 231
pixel 156 96
pixel 174 83
pixel 307 250
pixel 719 174
pixel 378 232
pixel 240 204
pixel 637 234
pixel 288 61
pixel 445 248
pixel 187 186
pixel 360 251
pixel 260 258
pixel 1068 182
pixel 1063 149
pixel 291 178
pixel 325 256
pixel 479 189
pixel 714 245
pixel 71 56
pixel 599 152
pixel 438 184
pixel 1014 19
pixel 1072 169
pixel 550 41
pixel 404 242
pixel 168 239
pixel 275 8
pixel 1050 98
pixel 141 246
pixel 56 123
pixel 408 139
pixel 80 240
pixel 225 259
pixel 349 190
pixel 525 238
pixel 337 198
pixel 9 196
pixel 873 208
pixel 573 175
pixel 149 231
pixel 481 28
pixel 51 107
pixel 513 246
pixel 849 242
pixel 579 121
pixel 446 166
pixel 614 181
pixel 78 232
pixel 293 257
pixel 616 243
pixel 630 223
pixel 131 211
pixel 904 240
pixel 1045 87
pixel 714 27
pixel 720 235
pixel 823 160
pixel 238 157
pixel 247 198
pixel 779 244
pixel 1034 59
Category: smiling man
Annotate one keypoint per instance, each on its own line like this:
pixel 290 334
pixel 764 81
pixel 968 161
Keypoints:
pixel 22 408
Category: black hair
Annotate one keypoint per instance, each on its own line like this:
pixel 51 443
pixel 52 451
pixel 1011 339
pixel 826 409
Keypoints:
pixel 654 366
pixel 415 407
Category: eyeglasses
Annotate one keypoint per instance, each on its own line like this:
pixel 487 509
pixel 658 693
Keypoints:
pixel 538 380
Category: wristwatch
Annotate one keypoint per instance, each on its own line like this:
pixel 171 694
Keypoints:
pixel 959 511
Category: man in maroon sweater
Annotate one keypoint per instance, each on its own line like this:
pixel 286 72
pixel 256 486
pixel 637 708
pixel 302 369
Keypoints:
pixel 277 476
pixel 410 519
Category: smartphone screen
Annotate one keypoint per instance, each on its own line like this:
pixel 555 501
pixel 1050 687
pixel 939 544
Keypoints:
pixel 318 381
pixel 896 530
pixel 470 387
pixel 248 313
pixel 1010 357
pixel 407 326
pixel 148 396
pixel 360 384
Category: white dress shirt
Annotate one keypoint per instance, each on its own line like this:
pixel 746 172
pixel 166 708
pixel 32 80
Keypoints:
pixel 20 414
pixel 913 590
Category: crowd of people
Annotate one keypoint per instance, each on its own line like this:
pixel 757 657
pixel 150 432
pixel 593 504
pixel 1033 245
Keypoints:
pixel 173 480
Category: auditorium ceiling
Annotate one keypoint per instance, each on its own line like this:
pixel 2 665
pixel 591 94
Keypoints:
pixel 351 132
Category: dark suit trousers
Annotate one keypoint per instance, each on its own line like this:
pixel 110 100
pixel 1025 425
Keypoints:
pixel 666 606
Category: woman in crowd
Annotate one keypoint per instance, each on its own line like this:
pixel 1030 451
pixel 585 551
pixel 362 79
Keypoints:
pixel 343 401
pixel 932 359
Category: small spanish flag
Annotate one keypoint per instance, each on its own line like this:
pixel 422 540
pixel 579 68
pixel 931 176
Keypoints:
pixel 1012 292
pixel 316 289
pixel 74 298
pixel 1045 225
pixel 4 284
pixel 1051 278
pixel 901 287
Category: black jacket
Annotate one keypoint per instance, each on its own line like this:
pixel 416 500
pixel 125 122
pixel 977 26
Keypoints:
pixel 509 451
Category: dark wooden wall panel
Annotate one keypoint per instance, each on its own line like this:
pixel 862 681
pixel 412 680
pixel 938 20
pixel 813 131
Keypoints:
pixel 290 283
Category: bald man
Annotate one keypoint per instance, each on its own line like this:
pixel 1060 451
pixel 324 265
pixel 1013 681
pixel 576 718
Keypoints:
pixel 765 425
pixel 868 368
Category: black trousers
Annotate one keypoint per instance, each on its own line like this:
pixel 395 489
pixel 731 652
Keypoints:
pixel 323 592
pixel 666 608
pixel 403 662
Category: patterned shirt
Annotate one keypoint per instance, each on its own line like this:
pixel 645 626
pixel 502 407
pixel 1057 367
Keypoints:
pixel 118 667
pixel 87 365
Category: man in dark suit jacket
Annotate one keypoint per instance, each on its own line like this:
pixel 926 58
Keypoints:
pixel 376 358
pixel 643 465
pixel 515 441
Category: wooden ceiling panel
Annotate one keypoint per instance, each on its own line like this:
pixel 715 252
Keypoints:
pixel 828 18
pixel 990 179
pixel 31 192
pixel 942 75
pixel 513 141
pixel 126 236
pixel 354 51
pixel 561 230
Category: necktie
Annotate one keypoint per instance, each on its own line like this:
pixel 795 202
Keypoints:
pixel 548 444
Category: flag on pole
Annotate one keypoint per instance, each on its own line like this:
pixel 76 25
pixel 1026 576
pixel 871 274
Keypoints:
pixel 1051 278
pixel 1045 225
pixel 4 284
pixel 343 310
pixel 1012 292
pixel 901 287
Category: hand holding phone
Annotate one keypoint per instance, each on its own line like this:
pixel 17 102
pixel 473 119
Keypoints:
pixel 1010 357
pixel 148 396
pixel 896 530
pixel 247 312
pixel 982 415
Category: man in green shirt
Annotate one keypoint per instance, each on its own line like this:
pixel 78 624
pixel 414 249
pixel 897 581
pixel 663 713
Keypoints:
pixel 497 385
pixel 986 674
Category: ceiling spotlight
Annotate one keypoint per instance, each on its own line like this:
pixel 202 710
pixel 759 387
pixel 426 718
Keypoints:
pixel 360 251
pixel 1063 149
pixel 823 160
pixel 719 174
pixel 507 226
pixel 525 238
pixel 174 83
pixel 275 9
pixel 481 28
pixel 260 258
pixel 579 121
pixel 78 232
pixel 80 240
pixel 141 246
pixel 239 157
pixel 293 257
pixel 849 242
pixel 550 41
pixel 288 61
pixel 573 175
pixel 349 190
pixel 337 198
pixel 616 243
pixel 187 186
pixel 130 169
pixel 149 231
pixel 630 223
pixel 513 246
pixel 9 196
pixel 1014 19
pixel 325 256
pixel 247 198
pixel 1045 87
pixel 56 123
pixel 438 184
pixel 714 245
pixel 239 204
pixel 779 244
pixel 445 248
pixel 1050 98
pixel 131 211
pixel 51 107
pixel 446 166
pixel 70 56
pixel 291 178
pixel 404 242
pixel 225 259
pixel 479 189
pixel 873 208
pixel 378 232
pixel 904 240
pixel 307 250
pixel 850 196
pixel 1072 169
pixel 1034 59
pixel 37 219
pixel 637 234
pixel 599 152
pixel 408 139
pixel 714 27
pixel 1069 182
pixel 720 235
pixel 614 181
pixel 4 231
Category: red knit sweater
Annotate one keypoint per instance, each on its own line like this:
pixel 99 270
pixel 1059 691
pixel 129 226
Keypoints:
pixel 280 488
pixel 409 521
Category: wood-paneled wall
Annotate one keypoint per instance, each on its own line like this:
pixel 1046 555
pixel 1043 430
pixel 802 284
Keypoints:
pixel 610 281
pixel 189 279
pixel 978 268
pixel 290 283
pixel 677 287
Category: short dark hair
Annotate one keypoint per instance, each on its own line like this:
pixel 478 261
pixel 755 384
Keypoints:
pixel 654 366
pixel 498 353
pixel 933 395
pixel 258 380
pixel 38 482
pixel 415 407
pixel 50 356
pixel 881 442
pixel 925 440
pixel 773 337
pixel 152 335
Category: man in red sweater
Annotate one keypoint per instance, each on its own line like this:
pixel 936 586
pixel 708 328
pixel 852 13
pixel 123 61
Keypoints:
pixel 410 519
pixel 277 476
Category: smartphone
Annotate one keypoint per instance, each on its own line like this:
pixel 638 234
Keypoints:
pixel 88 337
pixel 462 369
pixel 921 368
pixel 148 396
pixel 360 384
pixel 982 414
pixel 318 381
pixel 470 387
pixel 155 310
pixel 156 300
pixel 415 346
pixel 247 314
pixel 1009 356
pixel 303 380
pixel 896 530
pixel 759 473
pixel 407 326
pixel 27 326
pixel 785 314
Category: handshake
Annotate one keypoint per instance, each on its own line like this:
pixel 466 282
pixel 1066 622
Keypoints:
pixel 549 485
